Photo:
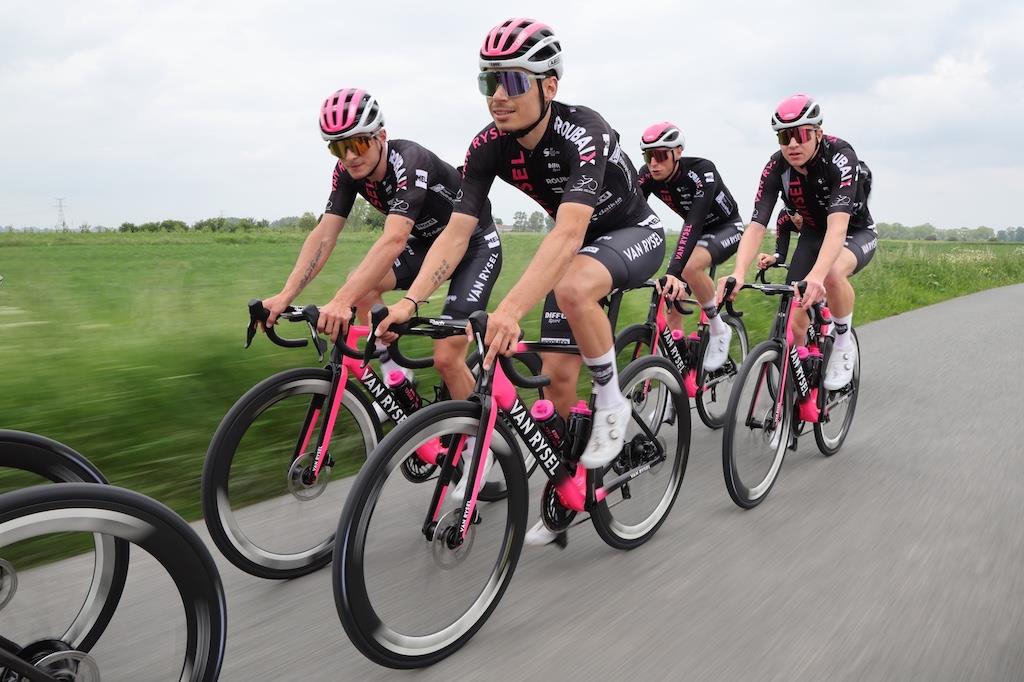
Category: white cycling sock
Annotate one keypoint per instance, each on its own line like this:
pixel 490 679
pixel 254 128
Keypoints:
pixel 718 327
pixel 606 380
pixel 387 365
pixel 844 339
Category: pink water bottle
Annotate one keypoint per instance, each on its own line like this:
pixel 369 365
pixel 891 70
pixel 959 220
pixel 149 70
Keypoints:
pixel 551 425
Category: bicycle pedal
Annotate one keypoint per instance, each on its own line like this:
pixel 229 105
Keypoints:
pixel 562 540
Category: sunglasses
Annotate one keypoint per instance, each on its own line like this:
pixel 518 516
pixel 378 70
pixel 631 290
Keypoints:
pixel 357 145
pixel 514 83
pixel 659 155
pixel 801 135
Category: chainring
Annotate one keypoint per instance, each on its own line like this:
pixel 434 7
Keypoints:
pixel 556 516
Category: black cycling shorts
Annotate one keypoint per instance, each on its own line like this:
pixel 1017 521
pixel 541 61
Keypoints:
pixel 632 255
pixel 722 240
pixel 472 281
pixel 861 243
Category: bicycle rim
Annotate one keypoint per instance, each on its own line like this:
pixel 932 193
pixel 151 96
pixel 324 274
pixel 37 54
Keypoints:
pixel 406 601
pixel 840 405
pixel 754 442
pixel 716 387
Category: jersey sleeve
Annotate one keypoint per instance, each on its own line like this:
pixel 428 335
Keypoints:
pixel 588 160
pixel 645 180
pixel 843 173
pixel 783 228
pixel 478 172
pixel 768 188
pixel 411 191
pixel 343 193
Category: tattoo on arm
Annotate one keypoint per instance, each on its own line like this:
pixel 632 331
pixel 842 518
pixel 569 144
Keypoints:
pixel 441 274
pixel 308 274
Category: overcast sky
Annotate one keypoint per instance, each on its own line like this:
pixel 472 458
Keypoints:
pixel 145 111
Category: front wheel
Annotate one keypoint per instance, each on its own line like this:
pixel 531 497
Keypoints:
pixel 654 453
pixel 714 388
pixel 409 589
pixel 264 512
pixel 838 406
pixel 185 642
pixel 756 432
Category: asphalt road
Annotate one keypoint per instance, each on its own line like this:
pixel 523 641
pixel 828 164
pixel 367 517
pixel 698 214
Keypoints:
pixel 901 558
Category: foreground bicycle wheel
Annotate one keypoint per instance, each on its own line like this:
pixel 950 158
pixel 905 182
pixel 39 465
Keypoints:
pixel 840 404
pixel 261 514
pixel 28 459
pixel 406 601
pixel 753 443
pixel 186 642
pixel 633 513
pixel 716 387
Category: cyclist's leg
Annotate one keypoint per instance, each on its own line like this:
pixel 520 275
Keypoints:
pixel 804 257
pixel 715 246
pixel 468 291
pixel 860 248
pixel 621 259
pixel 403 272
pixel 562 369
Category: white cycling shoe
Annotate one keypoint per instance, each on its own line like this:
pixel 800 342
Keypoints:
pixel 541 535
pixel 839 371
pixel 607 435
pixel 458 493
pixel 718 350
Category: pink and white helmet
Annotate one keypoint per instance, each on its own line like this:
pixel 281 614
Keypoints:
pixel 796 111
pixel 522 44
pixel 350 112
pixel 664 135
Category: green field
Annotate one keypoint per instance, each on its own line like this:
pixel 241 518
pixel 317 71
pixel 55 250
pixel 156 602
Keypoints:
pixel 128 347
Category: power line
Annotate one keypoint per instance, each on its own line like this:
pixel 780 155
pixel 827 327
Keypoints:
pixel 61 222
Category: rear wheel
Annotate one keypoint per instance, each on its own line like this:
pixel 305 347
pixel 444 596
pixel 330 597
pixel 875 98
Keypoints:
pixel 838 406
pixel 755 438
pixel 630 515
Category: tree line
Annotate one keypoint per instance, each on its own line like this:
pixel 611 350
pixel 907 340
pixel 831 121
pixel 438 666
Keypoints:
pixel 929 232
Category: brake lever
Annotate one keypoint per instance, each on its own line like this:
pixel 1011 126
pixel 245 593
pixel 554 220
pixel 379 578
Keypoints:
pixel 257 313
pixel 311 315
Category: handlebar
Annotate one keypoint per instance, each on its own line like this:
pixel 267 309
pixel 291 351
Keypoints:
pixel 309 314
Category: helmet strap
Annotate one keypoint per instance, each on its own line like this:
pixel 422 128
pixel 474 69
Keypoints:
pixel 544 106
pixel 383 147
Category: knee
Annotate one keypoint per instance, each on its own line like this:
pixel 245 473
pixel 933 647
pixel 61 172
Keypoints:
pixel 449 355
pixel 836 277
pixel 572 293
pixel 561 370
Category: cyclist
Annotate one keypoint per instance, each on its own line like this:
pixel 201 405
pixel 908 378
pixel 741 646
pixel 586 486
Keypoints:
pixel 711 230
pixel 605 237
pixel 415 190
pixel 821 179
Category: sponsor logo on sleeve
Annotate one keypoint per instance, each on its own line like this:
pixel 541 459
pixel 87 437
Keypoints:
pixel 585 184
pixel 421 178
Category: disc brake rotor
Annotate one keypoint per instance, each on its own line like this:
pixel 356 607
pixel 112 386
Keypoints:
pixel 302 467
pixel 70 666
pixel 446 551
pixel 416 470
pixel 8 582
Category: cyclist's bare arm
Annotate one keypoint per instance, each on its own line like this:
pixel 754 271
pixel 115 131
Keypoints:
pixel 314 254
pixel 444 256
pixel 378 260
pixel 546 267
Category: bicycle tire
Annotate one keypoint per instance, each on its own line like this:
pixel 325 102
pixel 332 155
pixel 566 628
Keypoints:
pixel 829 446
pixel 132 517
pixel 225 529
pixel 704 396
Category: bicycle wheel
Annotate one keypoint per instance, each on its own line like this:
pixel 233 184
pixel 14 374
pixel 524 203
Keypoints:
pixel 185 643
pixel 654 403
pixel 839 406
pixel 754 443
pixel 634 512
pixel 38 458
pixel 407 601
pixel 714 388
pixel 261 514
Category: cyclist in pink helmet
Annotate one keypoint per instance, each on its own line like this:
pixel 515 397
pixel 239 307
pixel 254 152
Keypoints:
pixel 568 159
pixel 693 188
pixel 415 190
pixel 820 178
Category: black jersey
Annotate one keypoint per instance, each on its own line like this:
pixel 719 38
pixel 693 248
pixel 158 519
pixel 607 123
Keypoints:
pixel 417 185
pixel 836 182
pixel 578 160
